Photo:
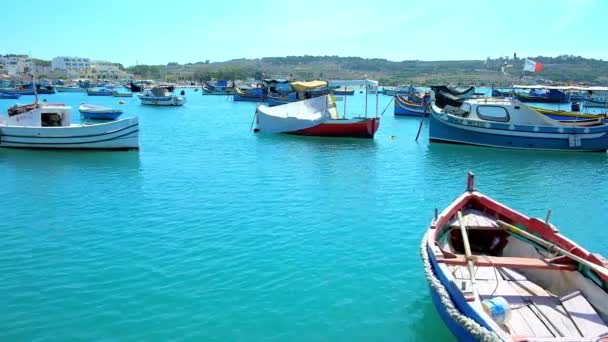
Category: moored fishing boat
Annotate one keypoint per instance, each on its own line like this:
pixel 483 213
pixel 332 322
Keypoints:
pixel 99 92
pixel 403 106
pixel 540 94
pixel 344 91
pixel 70 89
pixel 295 91
pixel 161 96
pixel 96 112
pixel 217 88
pixel 563 115
pixel 250 94
pixel 497 275
pixel 509 123
pixel 316 117
pixel 399 90
pixel 48 126
pixel 28 89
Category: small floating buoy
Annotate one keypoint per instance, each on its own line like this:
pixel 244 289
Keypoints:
pixel 121 102
pixel 392 137
pixel 255 130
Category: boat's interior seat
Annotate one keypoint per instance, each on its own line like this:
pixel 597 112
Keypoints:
pixel 535 312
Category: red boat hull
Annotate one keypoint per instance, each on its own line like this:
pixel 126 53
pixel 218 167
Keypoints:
pixel 363 128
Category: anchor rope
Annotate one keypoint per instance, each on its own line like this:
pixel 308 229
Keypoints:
pixel 479 332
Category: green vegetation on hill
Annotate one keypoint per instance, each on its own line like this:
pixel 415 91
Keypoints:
pixel 560 69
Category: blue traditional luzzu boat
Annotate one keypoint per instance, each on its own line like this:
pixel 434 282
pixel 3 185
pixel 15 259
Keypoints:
pixel 399 90
pixel 28 89
pixel 497 275
pixel 217 88
pixel 161 96
pixel 541 95
pixel 509 123
pixel 248 94
pixel 562 115
pixel 295 91
pixel 403 106
pixel 99 92
pixel 95 112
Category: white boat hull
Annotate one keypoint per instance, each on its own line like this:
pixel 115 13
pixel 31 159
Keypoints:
pixel 156 101
pixel 116 135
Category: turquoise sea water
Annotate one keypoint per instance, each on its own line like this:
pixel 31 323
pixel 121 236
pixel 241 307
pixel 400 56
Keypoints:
pixel 211 232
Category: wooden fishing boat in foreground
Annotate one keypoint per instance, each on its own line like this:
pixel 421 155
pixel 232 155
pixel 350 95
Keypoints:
pixel 496 274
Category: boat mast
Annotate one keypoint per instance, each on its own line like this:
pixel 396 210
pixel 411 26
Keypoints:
pixel 366 86
pixel 35 90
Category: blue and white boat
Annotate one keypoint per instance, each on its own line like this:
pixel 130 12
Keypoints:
pixel 99 92
pixel 161 96
pixel 95 112
pixel 405 107
pixel 220 87
pixel 509 123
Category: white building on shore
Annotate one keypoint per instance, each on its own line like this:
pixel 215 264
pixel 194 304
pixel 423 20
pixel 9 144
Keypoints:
pixel 14 65
pixel 70 63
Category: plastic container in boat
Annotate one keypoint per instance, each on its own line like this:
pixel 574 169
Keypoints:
pixel 497 308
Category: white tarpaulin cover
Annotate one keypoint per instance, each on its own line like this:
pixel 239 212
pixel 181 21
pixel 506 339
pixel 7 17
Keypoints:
pixel 293 116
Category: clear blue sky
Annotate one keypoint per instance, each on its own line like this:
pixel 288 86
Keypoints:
pixel 157 32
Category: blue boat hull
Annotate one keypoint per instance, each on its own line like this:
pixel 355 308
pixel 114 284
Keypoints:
pixel 461 131
pixel 405 109
pixel 273 101
pixel 409 112
pixel 100 93
pixel 458 301
pixel 7 96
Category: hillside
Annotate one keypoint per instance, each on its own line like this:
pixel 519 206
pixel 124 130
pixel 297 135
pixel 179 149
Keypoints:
pixel 481 72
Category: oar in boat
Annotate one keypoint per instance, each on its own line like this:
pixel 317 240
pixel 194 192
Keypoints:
pixel 467 253
pixel 597 268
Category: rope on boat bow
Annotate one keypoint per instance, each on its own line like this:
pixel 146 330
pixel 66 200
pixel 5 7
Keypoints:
pixel 480 333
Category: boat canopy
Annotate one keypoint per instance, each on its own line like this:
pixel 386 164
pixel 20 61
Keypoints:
pixel 352 83
pixel 162 91
pixel 294 116
pixel 304 86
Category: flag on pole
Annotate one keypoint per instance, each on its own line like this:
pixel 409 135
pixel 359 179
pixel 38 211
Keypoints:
pixel 532 66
